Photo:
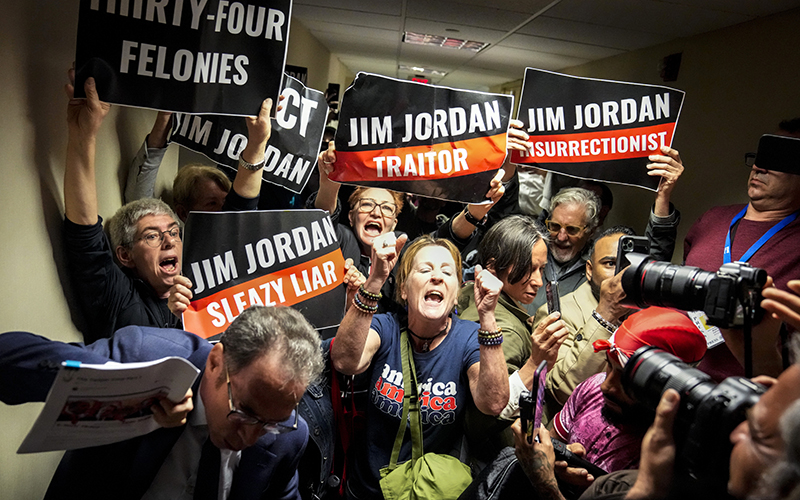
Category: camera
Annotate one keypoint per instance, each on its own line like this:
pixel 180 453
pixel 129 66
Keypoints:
pixel 726 296
pixel 707 415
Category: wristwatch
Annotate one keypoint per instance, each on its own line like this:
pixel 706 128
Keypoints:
pixel 472 219
pixel 251 166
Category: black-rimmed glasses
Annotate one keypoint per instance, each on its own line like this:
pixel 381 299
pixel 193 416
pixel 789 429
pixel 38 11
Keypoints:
pixel 367 205
pixel 237 416
pixel 155 239
pixel 749 159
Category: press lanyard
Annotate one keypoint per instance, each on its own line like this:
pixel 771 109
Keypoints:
pixel 726 254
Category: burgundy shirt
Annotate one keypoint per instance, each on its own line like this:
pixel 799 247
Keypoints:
pixel 608 446
pixel 703 246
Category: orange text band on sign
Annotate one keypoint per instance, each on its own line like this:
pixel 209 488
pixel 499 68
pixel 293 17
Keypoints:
pixel 437 161
pixel 598 146
pixel 212 315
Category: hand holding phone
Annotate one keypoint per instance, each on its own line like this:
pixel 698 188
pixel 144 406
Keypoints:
pixel 553 300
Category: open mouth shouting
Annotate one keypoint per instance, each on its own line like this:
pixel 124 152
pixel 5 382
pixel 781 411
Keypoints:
pixel 373 228
pixel 169 265
pixel 434 297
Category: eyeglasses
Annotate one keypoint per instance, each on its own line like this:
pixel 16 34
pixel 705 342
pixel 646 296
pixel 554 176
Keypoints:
pixel 555 228
pixel 239 417
pixel 749 159
pixel 367 205
pixel 155 239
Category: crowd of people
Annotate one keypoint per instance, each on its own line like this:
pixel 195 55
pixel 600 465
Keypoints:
pixel 279 412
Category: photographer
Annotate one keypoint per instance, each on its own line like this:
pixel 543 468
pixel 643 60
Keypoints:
pixel 757 442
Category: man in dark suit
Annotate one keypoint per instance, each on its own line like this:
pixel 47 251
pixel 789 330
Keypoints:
pixel 240 438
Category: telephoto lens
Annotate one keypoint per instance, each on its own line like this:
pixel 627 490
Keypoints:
pixel 707 415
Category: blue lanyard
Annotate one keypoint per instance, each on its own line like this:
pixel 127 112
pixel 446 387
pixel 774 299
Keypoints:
pixel 726 254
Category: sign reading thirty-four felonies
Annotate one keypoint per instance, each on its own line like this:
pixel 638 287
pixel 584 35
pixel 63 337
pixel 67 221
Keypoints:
pixel 239 259
pixel 596 129
pixel 433 141
pixel 191 56
pixel 293 146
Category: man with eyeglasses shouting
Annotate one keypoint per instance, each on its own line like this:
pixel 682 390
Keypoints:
pixel 235 435
pixel 144 236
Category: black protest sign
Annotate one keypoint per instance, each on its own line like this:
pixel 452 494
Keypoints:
pixel 596 129
pixel 270 258
pixel 432 141
pixel 195 56
pixel 292 148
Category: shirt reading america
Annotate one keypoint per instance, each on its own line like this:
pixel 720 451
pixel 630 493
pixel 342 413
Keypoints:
pixel 443 389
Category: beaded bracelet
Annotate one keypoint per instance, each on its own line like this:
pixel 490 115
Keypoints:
pixel 486 337
pixel 363 307
pixel 490 341
pixel 369 295
pixel 604 322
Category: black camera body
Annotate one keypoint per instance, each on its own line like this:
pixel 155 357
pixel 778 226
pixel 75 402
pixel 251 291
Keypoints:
pixel 707 415
pixel 726 296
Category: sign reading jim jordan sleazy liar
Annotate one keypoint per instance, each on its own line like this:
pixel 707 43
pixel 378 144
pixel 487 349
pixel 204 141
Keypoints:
pixel 270 258
pixel 418 138
pixel 596 129
pixel 192 56
pixel 292 148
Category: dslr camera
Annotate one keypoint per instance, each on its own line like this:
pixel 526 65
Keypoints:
pixel 707 415
pixel 728 297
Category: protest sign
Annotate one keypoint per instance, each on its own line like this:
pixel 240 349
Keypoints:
pixel 200 56
pixel 292 148
pixel 596 129
pixel 432 141
pixel 269 258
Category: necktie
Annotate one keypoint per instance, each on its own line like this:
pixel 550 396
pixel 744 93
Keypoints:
pixel 207 485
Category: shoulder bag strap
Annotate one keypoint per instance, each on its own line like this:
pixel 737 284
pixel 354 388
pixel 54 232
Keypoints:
pixel 410 374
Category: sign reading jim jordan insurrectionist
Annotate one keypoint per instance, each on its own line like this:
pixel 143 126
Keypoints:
pixel 191 56
pixel 596 129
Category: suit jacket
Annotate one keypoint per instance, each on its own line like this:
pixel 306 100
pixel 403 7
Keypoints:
pixel 125 470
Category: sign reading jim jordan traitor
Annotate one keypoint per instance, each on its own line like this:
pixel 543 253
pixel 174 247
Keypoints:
pixel 596 129
pixel 432 141
pixel 269 258
pixel 190 56
pixel 293 145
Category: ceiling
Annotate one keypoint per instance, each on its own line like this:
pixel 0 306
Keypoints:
pixel 366 35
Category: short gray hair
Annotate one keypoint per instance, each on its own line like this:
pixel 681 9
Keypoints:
pixel 122 226
pixel 260 330
pixel 583 197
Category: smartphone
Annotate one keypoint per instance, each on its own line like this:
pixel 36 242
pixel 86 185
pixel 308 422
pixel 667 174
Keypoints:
pixel 630 244
pixel 530 414
pixel 530 409
pixel 553 301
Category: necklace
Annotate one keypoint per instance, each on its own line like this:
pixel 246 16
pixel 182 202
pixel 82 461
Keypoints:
pixel 426 345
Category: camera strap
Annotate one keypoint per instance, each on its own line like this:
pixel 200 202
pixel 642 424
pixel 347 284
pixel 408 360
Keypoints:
pixel 726 253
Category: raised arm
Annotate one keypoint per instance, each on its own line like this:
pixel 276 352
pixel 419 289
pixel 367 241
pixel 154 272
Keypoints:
pixel 84 118
pixel 356 342
pixel 669 167
pixel 247 182
pixel 328 190
pixel 662 225
pixel 488 379
pixel 144 167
